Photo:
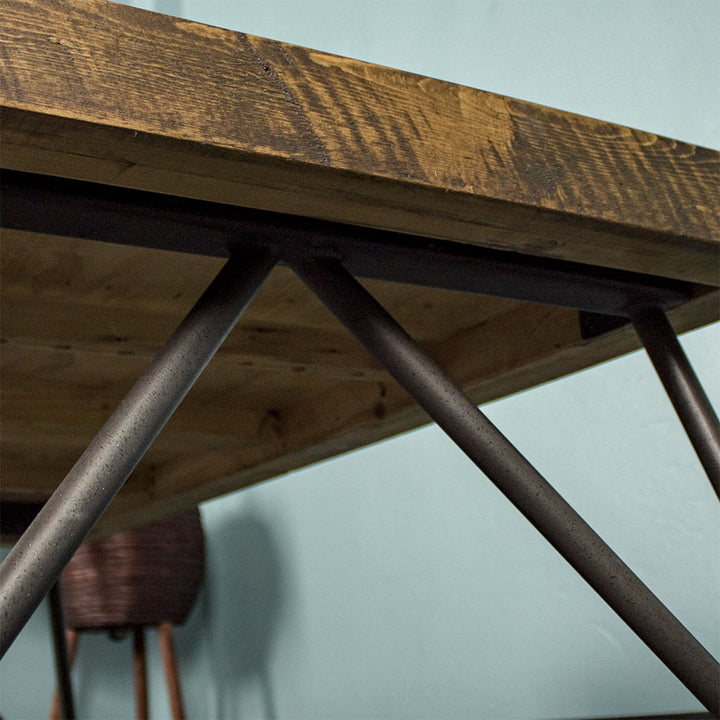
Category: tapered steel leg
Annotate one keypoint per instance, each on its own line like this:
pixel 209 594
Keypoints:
pixel 62 658
pixel 37 559
pixel 516 478
pixel 683 387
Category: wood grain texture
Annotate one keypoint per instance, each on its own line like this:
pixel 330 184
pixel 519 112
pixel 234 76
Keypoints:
pixel 353 415
pixel 81 320
pixel 106 92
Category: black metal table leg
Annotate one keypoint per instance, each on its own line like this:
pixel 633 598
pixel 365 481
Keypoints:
pixel 683 387
pixel 516 478
pixel 37 559
pixel 62 661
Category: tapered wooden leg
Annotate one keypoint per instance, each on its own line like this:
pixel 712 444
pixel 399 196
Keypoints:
pixel 72 637
pixel 140 674
pixel 167 652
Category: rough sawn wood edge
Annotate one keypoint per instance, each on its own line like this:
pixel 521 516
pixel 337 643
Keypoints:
pixel 106 92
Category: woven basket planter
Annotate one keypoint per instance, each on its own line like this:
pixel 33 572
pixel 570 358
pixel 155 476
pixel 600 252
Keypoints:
pixel 140 577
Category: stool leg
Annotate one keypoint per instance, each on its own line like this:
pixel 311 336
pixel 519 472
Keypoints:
pixel 140 674
pixel 169 661
pixel 71 638
pixel 62 663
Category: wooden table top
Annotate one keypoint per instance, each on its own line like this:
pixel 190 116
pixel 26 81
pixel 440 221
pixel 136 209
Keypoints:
pixel 107 93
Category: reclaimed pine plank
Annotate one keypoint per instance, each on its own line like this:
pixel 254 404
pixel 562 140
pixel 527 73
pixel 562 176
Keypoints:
pixel 354 414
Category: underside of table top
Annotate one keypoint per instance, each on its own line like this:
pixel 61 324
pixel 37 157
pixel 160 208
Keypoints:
pixel 109 94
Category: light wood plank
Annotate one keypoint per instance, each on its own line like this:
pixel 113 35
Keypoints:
pixel 82 320
pixel 350 415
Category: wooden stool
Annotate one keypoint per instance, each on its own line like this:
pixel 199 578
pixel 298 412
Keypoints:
pixel 145 577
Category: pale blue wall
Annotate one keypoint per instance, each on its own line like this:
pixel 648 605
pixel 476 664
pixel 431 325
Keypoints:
pixel 396 582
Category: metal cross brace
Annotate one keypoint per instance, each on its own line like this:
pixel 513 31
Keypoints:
pixel 36 561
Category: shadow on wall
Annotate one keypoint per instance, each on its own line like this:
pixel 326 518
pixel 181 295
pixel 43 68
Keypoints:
pixel 244 603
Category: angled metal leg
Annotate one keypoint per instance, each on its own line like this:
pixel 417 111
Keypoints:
pixel 62 656
pixel 683 387
pixel 37 559
pixel 516 478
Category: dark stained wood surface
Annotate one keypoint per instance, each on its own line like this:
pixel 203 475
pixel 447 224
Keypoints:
pixel 108 93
